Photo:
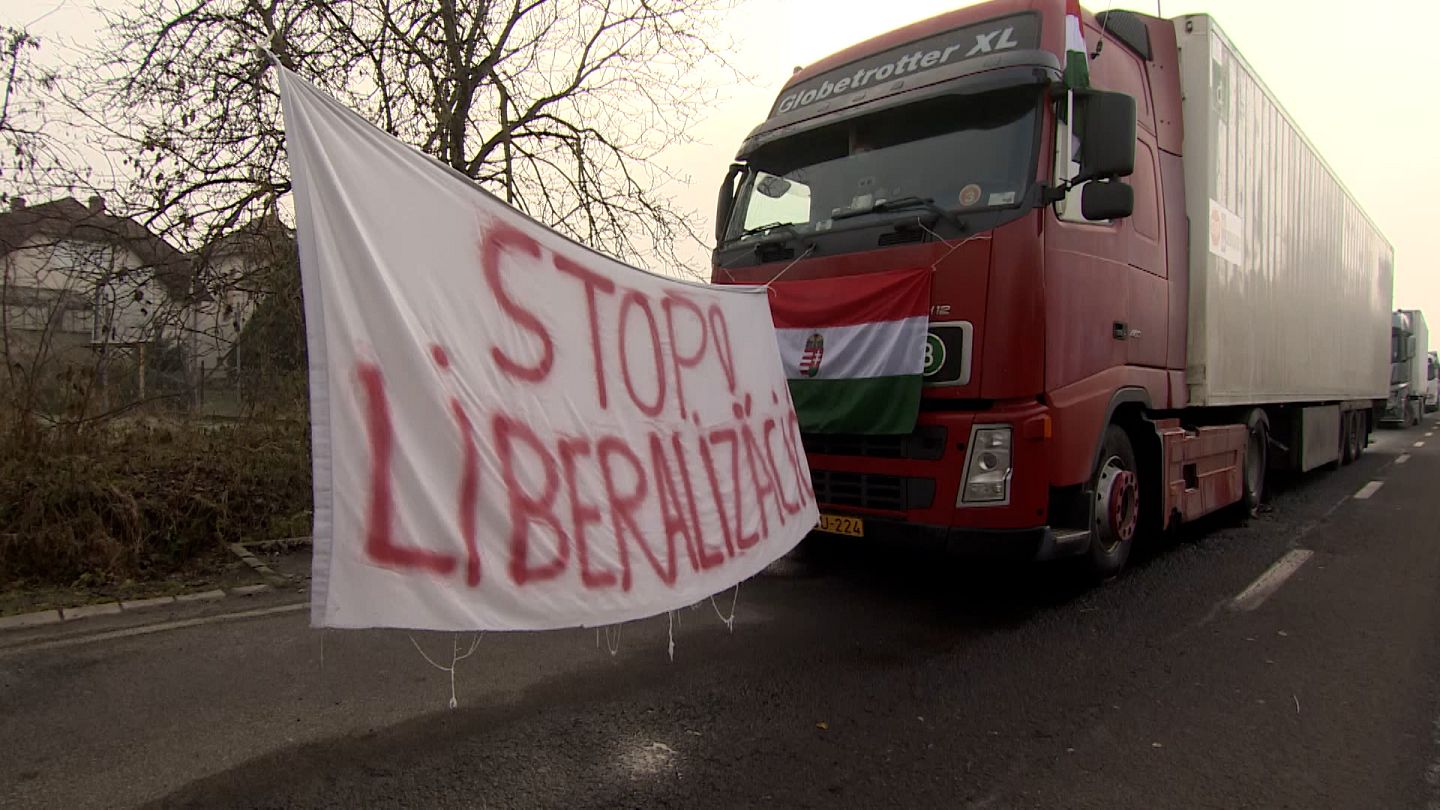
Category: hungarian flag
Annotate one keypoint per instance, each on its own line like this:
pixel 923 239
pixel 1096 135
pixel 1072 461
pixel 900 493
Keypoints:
pixel 853 348
pixel 1077 60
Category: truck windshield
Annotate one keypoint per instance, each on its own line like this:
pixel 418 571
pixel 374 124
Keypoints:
pixel 957 153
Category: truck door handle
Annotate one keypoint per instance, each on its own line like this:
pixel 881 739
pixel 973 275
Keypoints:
pixel 1120 331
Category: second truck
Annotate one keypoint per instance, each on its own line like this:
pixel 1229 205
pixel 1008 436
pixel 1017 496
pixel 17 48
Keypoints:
pixel 1142 310
pixel 1412 370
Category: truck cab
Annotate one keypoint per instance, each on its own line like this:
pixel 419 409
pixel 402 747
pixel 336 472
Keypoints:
pixel 1411 370
pixel 1043 321
pixel 1432 385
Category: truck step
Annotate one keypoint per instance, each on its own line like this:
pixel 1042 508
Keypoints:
pixel 1066 539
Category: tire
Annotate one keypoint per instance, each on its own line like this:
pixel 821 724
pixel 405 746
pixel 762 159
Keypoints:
pixel 1114 505
pixel 1257 459
pixel 1364 418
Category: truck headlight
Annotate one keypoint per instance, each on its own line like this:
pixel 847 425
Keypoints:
pixel 987 474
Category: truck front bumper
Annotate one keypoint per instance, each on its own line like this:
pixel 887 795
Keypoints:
pixel 907 488
pixel 1011 545
pixel 1394 413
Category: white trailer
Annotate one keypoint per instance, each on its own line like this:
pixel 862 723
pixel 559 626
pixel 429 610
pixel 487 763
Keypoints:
pixel 1290 280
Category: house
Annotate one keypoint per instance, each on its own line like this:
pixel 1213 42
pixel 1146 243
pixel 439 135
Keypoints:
pixel 82 287
pixel 238 271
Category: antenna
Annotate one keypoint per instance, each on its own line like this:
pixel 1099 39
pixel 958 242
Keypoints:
pixel 1104 24
pixel 1158 12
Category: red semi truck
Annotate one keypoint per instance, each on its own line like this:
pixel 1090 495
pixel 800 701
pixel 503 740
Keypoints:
pixel 1138 307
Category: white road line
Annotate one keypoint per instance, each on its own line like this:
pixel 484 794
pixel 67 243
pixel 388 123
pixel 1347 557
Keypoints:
pixel 1402 458
pixel 1430 433
pixel 1368 490
pixel 1270 581
pixel 1419 444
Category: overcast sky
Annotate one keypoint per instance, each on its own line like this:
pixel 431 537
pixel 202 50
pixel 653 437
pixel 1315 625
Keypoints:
pixel 1359 79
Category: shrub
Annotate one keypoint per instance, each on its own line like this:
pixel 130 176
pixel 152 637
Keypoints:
pixel 131 500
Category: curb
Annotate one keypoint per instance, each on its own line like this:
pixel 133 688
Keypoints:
pixel 56 616
pixel 259 567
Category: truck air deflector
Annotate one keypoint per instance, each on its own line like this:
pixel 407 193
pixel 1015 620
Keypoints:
pixel 1010 70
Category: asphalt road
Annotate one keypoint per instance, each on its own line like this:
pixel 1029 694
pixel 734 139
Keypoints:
pixel 885 678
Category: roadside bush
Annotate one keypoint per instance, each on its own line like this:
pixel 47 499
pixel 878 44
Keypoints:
pixel 145 499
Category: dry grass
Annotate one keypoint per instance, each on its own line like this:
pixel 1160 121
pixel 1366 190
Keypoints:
pixel 143 500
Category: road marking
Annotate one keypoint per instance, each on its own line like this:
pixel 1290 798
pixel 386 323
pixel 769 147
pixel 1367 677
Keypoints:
pixel 146 630
pixel 1368 490
pixel 1270 581
pixel 1429 434
pixel 1402 458
pixel 1419 444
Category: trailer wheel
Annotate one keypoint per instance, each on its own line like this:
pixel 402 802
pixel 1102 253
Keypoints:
pixel 1257 456
pixel 1115 505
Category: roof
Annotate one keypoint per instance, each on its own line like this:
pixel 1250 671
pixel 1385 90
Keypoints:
pixel 68 218
pixel 263 237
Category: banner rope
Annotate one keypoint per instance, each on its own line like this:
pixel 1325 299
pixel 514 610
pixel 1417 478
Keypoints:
pixel 730 622
pixel 796 261
pixel 455 658
pixel 944 242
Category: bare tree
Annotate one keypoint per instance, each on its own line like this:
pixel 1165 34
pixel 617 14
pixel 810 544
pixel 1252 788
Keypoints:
pixel 33 155
pixel 558 106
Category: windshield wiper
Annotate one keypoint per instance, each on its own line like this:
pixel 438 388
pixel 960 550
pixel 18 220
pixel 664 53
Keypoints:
pixel 899 204
pixel 774 226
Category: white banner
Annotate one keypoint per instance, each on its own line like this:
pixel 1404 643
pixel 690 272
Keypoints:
pixel 510 431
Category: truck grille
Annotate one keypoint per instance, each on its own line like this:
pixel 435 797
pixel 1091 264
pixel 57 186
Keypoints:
pixel 927 443
pixel 870 491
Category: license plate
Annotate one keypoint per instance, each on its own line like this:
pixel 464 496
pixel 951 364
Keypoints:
pixel 840 524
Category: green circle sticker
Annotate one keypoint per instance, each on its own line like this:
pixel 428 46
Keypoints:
pixel 934 354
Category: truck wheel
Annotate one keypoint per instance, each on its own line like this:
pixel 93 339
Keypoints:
pixel 1257 457
pixel 1115 505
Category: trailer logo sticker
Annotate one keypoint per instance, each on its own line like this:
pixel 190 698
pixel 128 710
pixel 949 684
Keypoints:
pixel 1227 234
pixel 969 195
pixel 898 65
pixel 814 351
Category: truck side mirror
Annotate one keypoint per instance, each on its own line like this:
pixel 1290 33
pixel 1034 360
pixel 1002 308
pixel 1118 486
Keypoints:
pixel 1110 199
pixel 1410 345
pixel 1107 135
